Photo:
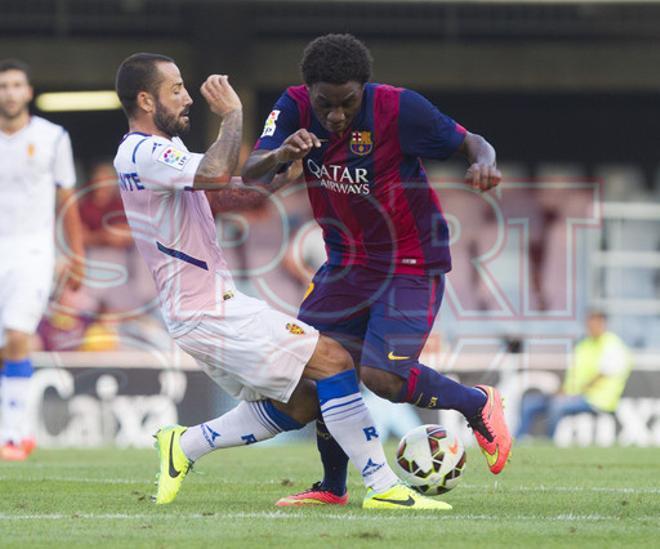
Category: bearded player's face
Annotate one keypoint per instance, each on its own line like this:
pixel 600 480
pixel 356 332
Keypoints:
pixel 15 93
pixel 336 105
pixel 172 103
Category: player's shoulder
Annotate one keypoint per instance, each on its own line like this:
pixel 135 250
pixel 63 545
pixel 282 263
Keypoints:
pixel 384 88
pixel 45 129
pixel 297 93
pixel 295 99
pixel 384 99
pixel 136 145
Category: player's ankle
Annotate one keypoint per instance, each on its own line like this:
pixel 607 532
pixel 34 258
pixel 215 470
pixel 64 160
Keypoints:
pixel 336 489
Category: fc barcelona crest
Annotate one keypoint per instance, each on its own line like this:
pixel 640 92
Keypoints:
pixel 361 143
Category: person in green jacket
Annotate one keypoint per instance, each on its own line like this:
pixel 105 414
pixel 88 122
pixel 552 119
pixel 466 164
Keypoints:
pixel 594 382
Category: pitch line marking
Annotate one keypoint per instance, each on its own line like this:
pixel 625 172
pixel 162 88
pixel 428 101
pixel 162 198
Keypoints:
pixel 275 515
pixel 541 488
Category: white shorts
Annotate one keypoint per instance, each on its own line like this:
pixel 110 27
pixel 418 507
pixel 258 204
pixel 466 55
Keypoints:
pixel 26 276
pixel 251 350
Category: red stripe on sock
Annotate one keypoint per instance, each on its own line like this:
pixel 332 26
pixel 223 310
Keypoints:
pixel 412 383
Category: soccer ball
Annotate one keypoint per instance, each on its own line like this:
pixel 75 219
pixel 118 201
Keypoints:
pixel 431 460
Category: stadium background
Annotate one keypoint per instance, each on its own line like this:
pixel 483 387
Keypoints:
pixel 566 91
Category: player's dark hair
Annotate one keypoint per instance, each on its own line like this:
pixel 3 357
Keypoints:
pixel 136 74
pixel 16 65
pixel 336 59
pixel 597 313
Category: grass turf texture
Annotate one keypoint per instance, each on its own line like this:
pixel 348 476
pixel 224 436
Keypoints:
pixel 546 497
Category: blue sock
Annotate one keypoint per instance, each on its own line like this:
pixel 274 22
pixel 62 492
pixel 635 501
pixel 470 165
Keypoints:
pixel 334 459
pixel 427 388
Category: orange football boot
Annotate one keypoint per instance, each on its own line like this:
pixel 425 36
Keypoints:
pixel 29 444
pixel 490 430
pixel 10 452
pixel 314 496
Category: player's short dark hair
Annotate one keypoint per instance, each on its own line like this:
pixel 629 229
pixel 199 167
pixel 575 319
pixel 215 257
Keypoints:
pixel 336 59
pixel 597 313
pixel 137 73
pixel 16 65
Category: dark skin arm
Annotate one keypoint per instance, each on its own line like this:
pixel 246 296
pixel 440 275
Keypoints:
pixel 482 175
pixel 262 165
pixel 238 196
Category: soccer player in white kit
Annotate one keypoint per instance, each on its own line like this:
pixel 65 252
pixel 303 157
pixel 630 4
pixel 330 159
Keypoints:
pixel 37 172
pixel 261 356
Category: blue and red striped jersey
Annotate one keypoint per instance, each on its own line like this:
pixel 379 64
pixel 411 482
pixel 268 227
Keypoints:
pixel 367 186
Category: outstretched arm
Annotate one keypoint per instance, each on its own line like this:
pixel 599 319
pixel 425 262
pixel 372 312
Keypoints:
pixel 263 165
pixel 220 161
pixel 482 174
pixel 238 196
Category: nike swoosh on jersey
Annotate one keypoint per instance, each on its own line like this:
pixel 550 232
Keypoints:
pixel 404 502
pixel 392 356
pixel 173 472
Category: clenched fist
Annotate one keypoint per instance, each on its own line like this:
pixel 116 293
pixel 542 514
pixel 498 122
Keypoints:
pixel 220 96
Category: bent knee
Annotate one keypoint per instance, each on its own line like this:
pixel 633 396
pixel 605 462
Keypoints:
pixel 329 358
pixel 335 355
pixel 382 383
pixel 303 404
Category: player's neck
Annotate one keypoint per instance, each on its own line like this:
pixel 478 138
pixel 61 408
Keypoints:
pixel 16 124
pixel 148 127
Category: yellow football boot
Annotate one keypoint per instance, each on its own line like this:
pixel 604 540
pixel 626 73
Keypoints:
pixel 174 465
pixel 401 496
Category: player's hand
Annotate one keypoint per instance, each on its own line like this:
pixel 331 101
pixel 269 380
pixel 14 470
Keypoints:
pixel 483 177
pixel 297 146
pixel 220 96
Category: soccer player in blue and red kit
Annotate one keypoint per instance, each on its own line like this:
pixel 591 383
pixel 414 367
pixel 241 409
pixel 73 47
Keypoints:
pixel 387 241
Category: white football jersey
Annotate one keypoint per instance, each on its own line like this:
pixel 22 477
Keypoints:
pixel 173 228
pixel 35 161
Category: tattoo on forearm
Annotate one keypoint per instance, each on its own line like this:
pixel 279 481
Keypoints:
pixel 241 197
pixel 221 159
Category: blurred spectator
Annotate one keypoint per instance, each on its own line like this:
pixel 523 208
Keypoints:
pixel 306 253
pixel 594 383
pixel 117 281
pixel 102 212
pixel 62 328
pixel 256 240
pixel 118 294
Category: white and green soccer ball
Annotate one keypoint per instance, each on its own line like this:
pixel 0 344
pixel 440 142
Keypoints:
pixel 430 459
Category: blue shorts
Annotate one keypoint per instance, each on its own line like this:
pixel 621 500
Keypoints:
pixel 383 320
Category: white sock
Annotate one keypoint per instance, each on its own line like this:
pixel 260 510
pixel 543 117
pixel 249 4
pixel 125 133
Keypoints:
pixel 14 397
pixel 247 423
pixel 349 422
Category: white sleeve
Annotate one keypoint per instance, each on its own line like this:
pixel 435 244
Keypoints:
pixel 163 166
pixel 64 172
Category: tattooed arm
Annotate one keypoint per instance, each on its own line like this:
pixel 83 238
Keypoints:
pixel 238 196
pixel 220 161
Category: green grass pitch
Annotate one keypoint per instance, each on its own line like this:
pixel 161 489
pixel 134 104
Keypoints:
pixel 546 497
